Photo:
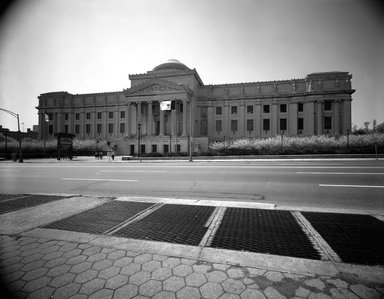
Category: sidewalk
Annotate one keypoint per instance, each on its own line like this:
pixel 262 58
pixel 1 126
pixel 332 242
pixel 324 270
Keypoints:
pixel 129 159
pixel 48 263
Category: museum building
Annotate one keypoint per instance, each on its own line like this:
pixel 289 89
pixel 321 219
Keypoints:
pixel 170 103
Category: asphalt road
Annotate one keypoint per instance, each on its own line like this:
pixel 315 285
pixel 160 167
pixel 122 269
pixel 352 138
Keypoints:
pixel 338 184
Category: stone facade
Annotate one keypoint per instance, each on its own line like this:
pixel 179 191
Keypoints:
pixel 318 104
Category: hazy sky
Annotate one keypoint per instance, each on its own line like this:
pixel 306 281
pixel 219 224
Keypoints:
pixel 84 46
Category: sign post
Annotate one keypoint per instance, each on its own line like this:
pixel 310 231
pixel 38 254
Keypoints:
pixel 64 145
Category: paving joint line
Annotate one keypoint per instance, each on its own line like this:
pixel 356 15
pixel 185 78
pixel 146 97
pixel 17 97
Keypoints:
pixel 134 218
pixel 214 225
pixel 325 250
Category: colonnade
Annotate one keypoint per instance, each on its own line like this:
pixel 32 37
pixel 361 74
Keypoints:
pixel 148 113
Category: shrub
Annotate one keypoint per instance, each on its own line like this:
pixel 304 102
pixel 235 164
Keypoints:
pixel 299 145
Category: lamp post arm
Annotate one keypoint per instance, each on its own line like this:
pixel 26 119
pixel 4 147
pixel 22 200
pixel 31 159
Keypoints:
pixel 18 127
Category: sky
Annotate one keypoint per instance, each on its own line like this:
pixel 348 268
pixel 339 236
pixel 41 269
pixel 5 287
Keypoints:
pixel 84 46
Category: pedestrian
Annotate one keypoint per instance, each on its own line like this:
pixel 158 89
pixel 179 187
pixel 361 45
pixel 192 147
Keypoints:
pixel 14 157
pixel 113 155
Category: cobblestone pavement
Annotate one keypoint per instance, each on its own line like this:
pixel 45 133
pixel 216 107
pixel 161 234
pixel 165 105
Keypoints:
pixel 45 268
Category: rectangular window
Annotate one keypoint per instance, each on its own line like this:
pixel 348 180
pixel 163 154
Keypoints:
pixel 110 128
pixel 87 129
pixel 233 109
pixel 219 110
pixel 122 114
pixel 50 116
pixel 233 125
pixel 88 115
pixel 283 124
pixel 204 112
pixel 249 125
pixel 77 116
pixel 283 108
pixel 300 123
pixel 300 107
pixel 204 127
pixel 66 128
pixel 166 148
pixel 218 125
pixel 66 116
pixel 50 129
pixel 98 128
pixel 77 129
pixel 250 109
pixel 266 108
pixel 266 124
pixel 327 123
pixel 122 128
pixel 154 148
pixel 99 115
pixel 110 114
pixel 327 105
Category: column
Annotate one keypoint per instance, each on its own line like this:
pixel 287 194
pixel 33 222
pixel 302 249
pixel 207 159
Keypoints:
pixel 274 119
pixel 319 118
pixel 242 122
pixel 173 122
pixel 346 116
pixel 309 118
pixel 139 113
pixel 258 120
pixel 292 120
pixel 337 118
pixel 161 123
pixel 129 119
pixel 150 119
pixel 185 115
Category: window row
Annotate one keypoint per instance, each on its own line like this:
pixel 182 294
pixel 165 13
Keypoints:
pixel 99 115
pixel 283 126
pixel 88 129
pixel 283 108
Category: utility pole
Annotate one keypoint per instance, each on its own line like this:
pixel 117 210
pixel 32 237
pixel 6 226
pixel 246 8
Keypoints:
pixel 19 132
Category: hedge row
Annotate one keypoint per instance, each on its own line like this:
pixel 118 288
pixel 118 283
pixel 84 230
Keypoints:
pixel 353 144
pixel 35 148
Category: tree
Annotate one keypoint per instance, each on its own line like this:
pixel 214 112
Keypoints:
pixel 380 128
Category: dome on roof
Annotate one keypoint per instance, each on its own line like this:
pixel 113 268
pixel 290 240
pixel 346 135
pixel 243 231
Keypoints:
pixel 171 64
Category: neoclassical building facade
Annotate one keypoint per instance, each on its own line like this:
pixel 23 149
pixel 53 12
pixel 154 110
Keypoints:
pixel 318 104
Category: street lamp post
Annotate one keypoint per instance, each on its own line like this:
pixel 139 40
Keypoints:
pixel 189 95
pixel 19 132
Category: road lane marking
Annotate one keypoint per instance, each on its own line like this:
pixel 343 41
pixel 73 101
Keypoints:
pixel 351 186
pixel 340 173
pixel 135 171
pixel 104 180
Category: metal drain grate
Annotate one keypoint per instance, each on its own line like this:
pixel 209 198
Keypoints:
pixel 263 231
pixel 181 224
pixel 355 238
pixel 10 204
pixel 102 218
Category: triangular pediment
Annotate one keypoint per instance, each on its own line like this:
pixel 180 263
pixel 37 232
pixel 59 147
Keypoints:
pixel 152 87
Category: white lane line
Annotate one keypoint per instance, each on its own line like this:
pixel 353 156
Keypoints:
pixel 351 186
pixel 341 173
pixel 135 171
pixel 104 180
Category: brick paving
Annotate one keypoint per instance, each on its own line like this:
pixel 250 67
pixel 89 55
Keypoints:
pixel 42 268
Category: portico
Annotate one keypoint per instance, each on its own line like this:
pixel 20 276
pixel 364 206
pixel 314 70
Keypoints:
pixel 160 130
